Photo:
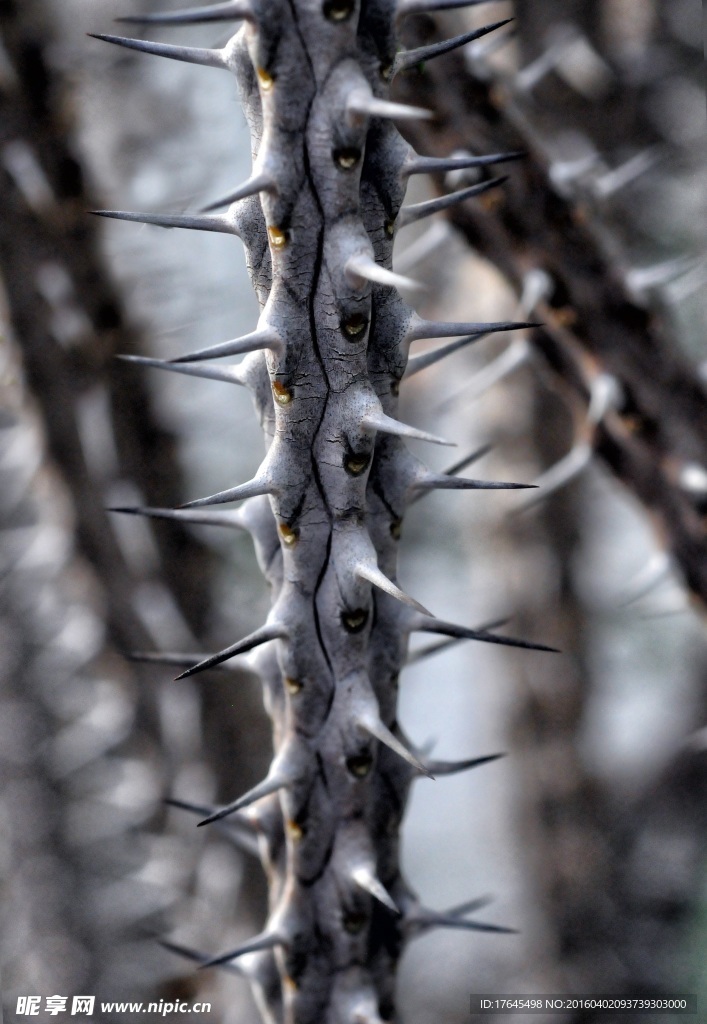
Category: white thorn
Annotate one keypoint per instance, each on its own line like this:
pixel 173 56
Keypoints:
pixel 378 421
pixel 362 101
pixel 371 723
pixel 685 286
pixel 563 173
pixel 230 374
pixel 573 57
pixel 533 74
pixel 516 355
pixel 373 574
pixel 257 183
pixel 426 245
pixel 605 394
pixel 250 489
pixel 365 877
pixel 189 54
pixel 269 785
pixel 557 476
pixel 612 181
pixel 232 518
pixel 537 287
pixel 265 338
pixel 645 279
pixel 364 268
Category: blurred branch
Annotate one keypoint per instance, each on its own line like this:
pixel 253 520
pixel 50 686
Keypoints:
pixel 617 874
pixel 69 319
pixel 598 316
pixel 101 430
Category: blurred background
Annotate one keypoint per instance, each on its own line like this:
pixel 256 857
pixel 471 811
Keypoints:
pixel 590 833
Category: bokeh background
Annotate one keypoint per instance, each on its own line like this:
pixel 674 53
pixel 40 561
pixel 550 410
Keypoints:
pixel 590 833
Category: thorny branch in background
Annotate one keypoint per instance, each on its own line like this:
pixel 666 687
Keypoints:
pixel 619 868
pixel 602 328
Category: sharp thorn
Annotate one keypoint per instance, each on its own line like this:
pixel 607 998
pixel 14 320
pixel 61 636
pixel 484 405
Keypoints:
pixel 232 10
pixel 481 51
pixel 410 58
pixel 216 223
pixel 189 54
pixel 173 658
pixel 411 214
pixel 439 165
pixel 644 279
pixel 557 476
pixel 425 359
pixel 468 460
pixel 442 482
pixel 270 631
pixel 564 173
pixel 374 576
pixel 382 733
pixel 605 395
pixel 232 518
pixel 463 632
pixel 619 177
pixel 267 940
pixel 256 341
pixel 469 906
pixel 421 362
pixel 365 877
pixel 229 374
pixel 420 328
pixel 426 652
pixel 433 239
pixel 381 423
pixel 516 355
pixel 537 287
pixel 250 489
pixel 452 767
pixel 185 805
pixel 422 917
pixel 430 649
pixel 363 102
pixel 444 921
pixel 251 187
pixel 364 268
pixel 264 788
pixel 244 840
pixel 194 955
pixel 532 74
